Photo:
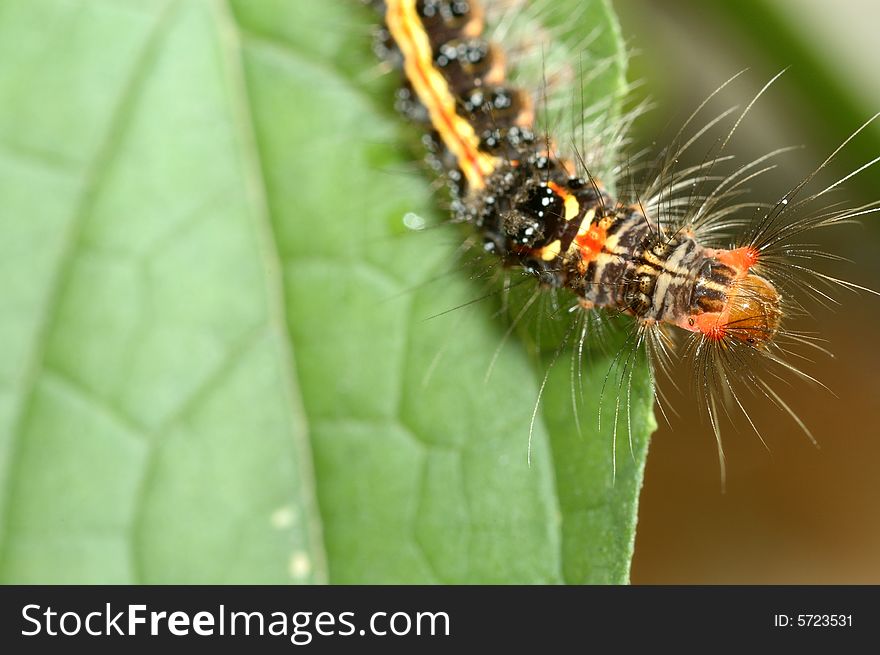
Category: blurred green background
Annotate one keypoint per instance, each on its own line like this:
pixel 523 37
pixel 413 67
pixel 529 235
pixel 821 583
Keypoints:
pixel 798 514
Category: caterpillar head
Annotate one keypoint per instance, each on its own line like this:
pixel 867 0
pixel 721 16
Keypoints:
pixel 730 302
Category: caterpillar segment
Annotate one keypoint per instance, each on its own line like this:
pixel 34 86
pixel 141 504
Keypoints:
pixel 534 212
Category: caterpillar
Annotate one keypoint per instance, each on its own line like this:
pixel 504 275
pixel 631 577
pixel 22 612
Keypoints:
pixel 684 254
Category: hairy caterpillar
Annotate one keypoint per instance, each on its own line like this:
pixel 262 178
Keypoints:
pixel 681 253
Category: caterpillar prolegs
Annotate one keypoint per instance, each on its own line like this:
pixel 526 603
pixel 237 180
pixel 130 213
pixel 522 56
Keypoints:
pixel 684 254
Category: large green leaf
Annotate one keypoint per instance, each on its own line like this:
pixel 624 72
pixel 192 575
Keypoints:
pixel 216 362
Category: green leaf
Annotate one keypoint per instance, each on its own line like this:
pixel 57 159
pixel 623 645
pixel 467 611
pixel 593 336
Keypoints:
pixel 221 360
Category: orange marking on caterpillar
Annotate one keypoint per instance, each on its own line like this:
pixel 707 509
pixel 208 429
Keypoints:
pixel 739 259
pixel 591 241
pixel 572 206
pixel 433 92
pixel 710 324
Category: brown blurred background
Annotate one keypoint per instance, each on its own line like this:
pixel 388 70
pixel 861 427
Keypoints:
pixel 796 514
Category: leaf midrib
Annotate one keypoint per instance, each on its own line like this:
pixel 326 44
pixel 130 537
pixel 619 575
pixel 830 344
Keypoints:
pixel 233 67
pixel 92 179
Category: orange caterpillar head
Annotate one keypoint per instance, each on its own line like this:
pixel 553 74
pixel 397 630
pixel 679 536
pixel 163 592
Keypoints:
pixel 753 311
pixel 729 302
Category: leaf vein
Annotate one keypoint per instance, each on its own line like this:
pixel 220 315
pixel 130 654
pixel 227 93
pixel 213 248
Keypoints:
pixel 93 178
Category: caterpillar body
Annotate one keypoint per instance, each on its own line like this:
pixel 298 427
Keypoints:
pixel 665 257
